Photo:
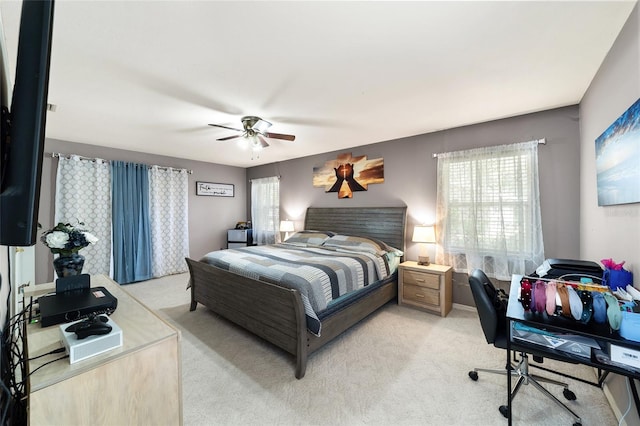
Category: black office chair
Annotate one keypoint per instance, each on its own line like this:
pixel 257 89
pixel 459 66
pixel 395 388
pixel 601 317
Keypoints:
pixel 495 331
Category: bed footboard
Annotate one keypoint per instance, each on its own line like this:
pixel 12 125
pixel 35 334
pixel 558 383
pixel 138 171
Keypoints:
pixel 271 312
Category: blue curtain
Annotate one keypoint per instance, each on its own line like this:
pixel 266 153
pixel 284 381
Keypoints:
pixel 130 216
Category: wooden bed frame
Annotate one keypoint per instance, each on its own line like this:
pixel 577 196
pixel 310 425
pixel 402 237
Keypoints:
pixel 276 313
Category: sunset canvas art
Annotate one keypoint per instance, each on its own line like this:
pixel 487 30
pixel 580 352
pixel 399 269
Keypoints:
pixel 347 174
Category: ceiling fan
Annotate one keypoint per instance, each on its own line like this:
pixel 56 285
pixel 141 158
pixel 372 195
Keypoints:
pixel 255 130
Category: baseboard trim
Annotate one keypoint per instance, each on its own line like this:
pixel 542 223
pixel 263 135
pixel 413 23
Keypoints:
pixel 617 411
pixel 612 402
pixel 464 307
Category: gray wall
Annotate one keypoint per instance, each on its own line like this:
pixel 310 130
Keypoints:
pixel 209 217
pixel 410 178
pixel 612 231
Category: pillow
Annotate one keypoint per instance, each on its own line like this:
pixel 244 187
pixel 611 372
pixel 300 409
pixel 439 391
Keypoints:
pixel 394 251
pixel 354 243
pixel 309 237
pixel 393 259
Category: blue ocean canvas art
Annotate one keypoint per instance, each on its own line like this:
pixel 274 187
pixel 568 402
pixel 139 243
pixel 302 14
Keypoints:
pixel 618 160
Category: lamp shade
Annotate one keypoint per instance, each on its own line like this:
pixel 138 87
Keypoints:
pixel 286 226
pixel 424 234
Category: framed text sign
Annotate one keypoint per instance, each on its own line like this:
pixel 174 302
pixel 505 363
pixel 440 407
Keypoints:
pixel 215 189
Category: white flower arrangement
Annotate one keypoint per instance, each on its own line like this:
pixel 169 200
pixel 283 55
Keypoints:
pixel 65 239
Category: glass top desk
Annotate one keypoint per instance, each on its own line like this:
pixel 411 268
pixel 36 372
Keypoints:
pixel 599 332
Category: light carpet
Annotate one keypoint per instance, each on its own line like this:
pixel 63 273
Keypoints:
pixel 397 367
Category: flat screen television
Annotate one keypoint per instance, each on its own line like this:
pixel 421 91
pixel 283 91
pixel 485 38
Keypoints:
pixel 23 125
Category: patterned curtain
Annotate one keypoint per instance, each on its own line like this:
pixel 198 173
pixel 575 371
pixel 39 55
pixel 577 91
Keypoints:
pixel 83 193
pixel 139 214
pixel 130 222
pixel 265 210
pixel 168 208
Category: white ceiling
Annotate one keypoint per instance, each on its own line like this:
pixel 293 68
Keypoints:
pixel 149 76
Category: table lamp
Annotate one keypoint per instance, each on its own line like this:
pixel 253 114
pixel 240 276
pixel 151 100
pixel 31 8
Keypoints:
pixel 286 226
pixel 424 234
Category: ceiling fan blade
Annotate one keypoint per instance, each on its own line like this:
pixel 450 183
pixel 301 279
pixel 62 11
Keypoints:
pixel 225 127
pixel 280 136
pixel 229 137
pixel 263 142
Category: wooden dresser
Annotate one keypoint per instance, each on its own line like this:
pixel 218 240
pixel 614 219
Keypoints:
pixel 427 287
pixel 138 383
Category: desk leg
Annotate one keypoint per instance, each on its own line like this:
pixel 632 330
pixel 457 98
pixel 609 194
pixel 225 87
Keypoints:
pixel 634 391
pixel 602 376
pixel 509 371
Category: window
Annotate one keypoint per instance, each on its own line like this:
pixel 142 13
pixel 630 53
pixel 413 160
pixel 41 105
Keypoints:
pixel 488 210
pixel 265 210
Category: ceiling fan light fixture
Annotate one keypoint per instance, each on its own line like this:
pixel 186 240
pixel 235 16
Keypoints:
pixel 243 143
pixel 250 140
pixel 254 133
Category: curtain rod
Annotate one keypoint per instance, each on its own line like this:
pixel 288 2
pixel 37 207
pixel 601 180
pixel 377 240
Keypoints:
pixel 542 141
pixel 278 176
pixel 69 156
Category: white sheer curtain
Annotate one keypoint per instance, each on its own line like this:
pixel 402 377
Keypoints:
pixel 265 210
pixel 83 193
pixel 168 208
pixel 488 210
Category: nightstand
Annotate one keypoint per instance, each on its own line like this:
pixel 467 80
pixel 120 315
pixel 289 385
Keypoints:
pixel 426 287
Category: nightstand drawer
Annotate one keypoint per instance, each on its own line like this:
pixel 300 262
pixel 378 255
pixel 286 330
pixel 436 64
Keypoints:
pixel 421 279
pixel 421 295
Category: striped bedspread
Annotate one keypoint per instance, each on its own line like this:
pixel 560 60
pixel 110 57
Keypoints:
pixel 321 274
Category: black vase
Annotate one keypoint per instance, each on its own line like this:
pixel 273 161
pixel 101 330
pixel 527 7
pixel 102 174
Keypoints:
pixel 68 265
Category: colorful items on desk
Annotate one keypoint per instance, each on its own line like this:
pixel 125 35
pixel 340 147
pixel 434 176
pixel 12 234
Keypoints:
pixel 578 301
pixel 630 326
pixel 587 305
pixel 610 264
pixel 575 303
pixel 550 295
pixel 599 308
pixel 615 276
pixel 525 294
pixel 564 300
pixel 539 296
pixel 622 294
pixel 614 315
pixel 615 279
pixel 635 294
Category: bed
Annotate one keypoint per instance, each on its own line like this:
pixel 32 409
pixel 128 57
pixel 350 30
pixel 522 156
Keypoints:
pixel 277 313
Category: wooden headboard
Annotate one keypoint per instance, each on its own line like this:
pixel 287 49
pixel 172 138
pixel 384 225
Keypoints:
pixel 383 223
